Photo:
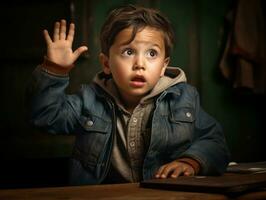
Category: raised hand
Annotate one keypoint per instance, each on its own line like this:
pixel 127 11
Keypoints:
pixel 59 49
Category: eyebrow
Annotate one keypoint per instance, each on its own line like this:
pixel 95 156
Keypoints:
pixel 151 44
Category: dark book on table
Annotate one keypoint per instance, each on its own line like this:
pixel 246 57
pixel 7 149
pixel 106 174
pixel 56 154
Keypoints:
pixel 238 179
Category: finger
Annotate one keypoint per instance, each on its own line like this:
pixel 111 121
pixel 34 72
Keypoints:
pixel 56 31
pixel 177 172
pixel 47 38
pixel 79 51
pixel 71 32
pixel 159 172
pixel 62 35
pixel 167 170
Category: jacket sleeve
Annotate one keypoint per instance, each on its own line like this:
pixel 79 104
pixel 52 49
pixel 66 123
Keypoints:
pixel 209 147
pixel 47 104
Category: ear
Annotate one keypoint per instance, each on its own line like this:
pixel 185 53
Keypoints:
pixel 166 62
pixel 104 60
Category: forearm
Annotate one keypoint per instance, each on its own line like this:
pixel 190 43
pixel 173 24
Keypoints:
pixel 211 152
pixel 47 102
pixel 209 147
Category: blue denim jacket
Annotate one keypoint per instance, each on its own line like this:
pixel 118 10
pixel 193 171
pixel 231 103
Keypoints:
pixel 180 127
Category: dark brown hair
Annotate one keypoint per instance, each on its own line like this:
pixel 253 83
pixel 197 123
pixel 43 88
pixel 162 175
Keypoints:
pixel 138 18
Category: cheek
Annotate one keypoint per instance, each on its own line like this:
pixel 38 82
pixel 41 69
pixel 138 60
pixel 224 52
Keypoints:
pixel 156 74
pixel 156 69
pixel 119 72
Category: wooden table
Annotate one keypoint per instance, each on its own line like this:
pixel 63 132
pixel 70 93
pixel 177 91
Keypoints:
pixel 130 191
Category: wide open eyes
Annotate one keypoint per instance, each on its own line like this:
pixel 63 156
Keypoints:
pixel 151 53
pixel 127 52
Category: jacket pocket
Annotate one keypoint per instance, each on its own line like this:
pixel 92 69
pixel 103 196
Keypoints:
pixel 92 137
pixel 86 160
pixel 180 134
pixel 186 115
pixel 94 124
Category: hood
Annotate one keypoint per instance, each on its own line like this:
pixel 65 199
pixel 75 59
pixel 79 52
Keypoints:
pixel 172 76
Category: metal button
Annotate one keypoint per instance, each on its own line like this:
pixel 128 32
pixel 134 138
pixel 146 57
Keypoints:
pixel 132 144
pixel 188 114
pixel 89 123
pixel 135 119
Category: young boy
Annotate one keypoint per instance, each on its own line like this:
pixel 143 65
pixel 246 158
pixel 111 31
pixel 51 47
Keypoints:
pixel 138 119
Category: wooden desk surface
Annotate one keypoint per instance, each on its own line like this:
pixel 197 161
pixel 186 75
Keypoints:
pixel 130 191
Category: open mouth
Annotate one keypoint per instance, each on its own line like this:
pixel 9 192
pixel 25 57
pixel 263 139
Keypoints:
pixel 138 81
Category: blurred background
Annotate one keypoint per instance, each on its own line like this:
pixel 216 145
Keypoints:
pixel 207 34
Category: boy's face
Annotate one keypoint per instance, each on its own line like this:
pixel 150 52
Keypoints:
pixel 136 67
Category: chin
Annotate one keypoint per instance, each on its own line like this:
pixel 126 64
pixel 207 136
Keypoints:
pixel 140 93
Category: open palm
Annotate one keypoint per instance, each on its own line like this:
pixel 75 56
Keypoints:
pixel 59 49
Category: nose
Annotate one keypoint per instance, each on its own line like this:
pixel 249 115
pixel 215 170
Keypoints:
pixel 139 63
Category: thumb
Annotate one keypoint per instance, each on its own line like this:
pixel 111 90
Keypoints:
pixel 79 51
